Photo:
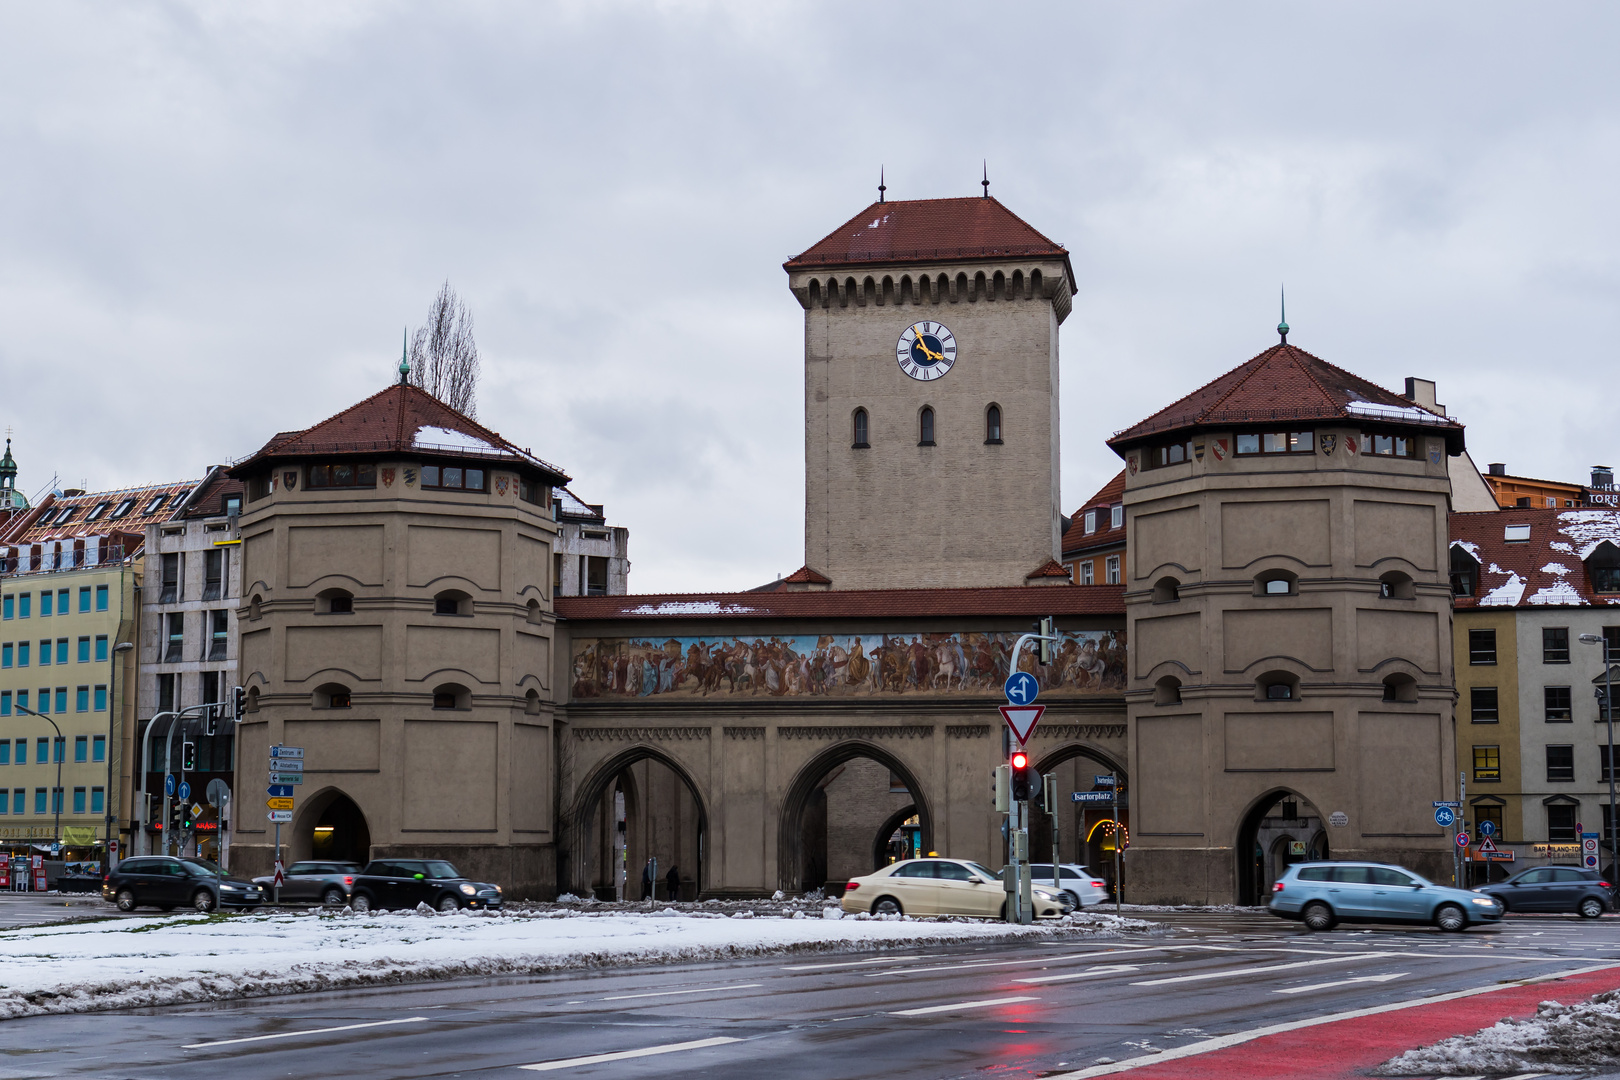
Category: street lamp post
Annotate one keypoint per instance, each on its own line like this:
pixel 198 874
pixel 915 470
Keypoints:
pixel 59 751
pixel 1608 712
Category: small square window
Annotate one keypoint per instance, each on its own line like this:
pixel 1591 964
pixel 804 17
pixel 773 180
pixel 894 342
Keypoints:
pixel 1482 646
pixel 1555 645
pixel 1277 587
pixel 1487 763
pixel 1112 569
pixel 101 598
pixel 1559 706
pixel 1482 705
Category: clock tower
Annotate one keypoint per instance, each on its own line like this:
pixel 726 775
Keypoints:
pixel 931 397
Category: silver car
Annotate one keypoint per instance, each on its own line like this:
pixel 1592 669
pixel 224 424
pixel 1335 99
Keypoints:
pixel 1322 894
pixel 313 882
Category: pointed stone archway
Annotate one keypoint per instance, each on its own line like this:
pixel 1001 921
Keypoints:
pixel 1280 828
pixel 331 826
pixel 647 801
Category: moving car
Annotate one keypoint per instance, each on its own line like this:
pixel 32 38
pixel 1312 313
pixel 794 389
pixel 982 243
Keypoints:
pixel 1322 894
pixel 309 882
pixel 942 887
pixel 1081 886
pixel 166 882
pixel 1553 888
pixel 404 883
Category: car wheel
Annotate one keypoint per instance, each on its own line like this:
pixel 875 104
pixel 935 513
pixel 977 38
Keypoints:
pixel 361 903
pixel 1450 918
pixel 1317 916
pixel 886 905
pixel 449 903
pixel 1590 908
pixel 125 900
pixel 1074 901
pixel 332 897
pixel 203 901
pixel 1501 900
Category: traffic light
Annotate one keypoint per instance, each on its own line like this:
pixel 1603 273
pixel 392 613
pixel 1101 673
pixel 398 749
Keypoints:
pixel 1047 629
pixel 188 757
pixel 1003 787
pixel 238 704
pixel 211 720
pixel 1020 776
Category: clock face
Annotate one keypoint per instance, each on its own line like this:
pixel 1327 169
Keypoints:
pixel 926 350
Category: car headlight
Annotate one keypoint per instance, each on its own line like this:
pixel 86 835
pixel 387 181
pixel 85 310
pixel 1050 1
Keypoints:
pixel 468 890
pixel 228 887
pixel 1484 901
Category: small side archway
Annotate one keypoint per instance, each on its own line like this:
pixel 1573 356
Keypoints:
pixel 1280 828
pixel 331 826
pixel 1087 833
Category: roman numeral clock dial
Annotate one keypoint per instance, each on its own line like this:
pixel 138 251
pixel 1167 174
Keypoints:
pixel 926 350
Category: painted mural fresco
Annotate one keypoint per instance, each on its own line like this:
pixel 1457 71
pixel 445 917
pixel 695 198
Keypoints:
pixel 839 665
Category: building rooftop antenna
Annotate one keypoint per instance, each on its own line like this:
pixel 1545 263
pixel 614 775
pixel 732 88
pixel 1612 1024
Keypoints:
pixel 1282 327
pixel 986 181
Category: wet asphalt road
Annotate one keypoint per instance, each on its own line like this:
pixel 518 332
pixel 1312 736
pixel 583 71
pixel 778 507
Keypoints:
pixel 1017 1010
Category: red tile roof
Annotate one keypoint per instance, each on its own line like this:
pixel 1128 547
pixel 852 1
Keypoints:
pixel 1015 602
pixel 929 230
pixel 208 500
pixel 1548 569
pixel 400 419
pixel 1286 383
pixel 46 524
pixel 1051 568
pixel 1075 539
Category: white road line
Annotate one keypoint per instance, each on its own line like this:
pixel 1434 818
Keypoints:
pixel 961 1005
pixel 1106 969
pixel 852 963
pixel 1341 982
pixel 312 1031
pixel 1033 961
pixel 1239 1038
pixel 625 1055
pixel 1233 973
pixel 1524 1076
pixel 673 993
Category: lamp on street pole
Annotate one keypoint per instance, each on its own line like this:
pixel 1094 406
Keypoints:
pixel 1608 712
pixel 59 751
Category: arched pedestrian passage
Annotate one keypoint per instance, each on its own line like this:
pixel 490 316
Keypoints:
pixel 1086 832
pixel 841 811
pixel 637 807
pixel 331 826
pixel 1281 828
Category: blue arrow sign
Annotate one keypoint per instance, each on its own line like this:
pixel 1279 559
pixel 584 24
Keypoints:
pixel 1444 816
pixel 280 791
pixel 1021 688
pixel 1487 828
pixel 168 785
pixel 185 791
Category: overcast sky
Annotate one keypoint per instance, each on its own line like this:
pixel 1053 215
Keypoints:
pixel 217 218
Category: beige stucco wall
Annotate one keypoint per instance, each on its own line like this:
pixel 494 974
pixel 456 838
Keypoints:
pixel 472 784
pixel 961 512
pixel 1336 524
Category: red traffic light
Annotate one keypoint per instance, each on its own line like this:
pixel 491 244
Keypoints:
pixel 1020 760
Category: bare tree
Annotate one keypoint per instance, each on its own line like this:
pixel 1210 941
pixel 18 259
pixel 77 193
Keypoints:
pixel 444 357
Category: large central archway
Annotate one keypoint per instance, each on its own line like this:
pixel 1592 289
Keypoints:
pixel 639 805
pixel 1087 833
pixel 1281 828
pixel 808 858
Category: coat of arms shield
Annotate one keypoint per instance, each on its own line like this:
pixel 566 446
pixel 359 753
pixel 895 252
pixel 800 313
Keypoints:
pixel 1329 443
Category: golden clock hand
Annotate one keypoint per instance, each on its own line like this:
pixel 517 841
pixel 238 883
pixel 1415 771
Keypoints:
pixel 921 344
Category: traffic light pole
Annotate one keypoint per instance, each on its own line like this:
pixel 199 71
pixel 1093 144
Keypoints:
pixel 176 718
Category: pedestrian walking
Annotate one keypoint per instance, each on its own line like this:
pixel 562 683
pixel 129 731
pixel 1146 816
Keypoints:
pixel 673 881
pixel 647 881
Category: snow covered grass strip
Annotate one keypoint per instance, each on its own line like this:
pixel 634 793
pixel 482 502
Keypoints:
pixel 1558 1039
pixel 167 960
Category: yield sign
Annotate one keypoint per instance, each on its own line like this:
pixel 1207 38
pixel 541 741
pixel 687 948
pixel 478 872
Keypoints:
pixel 1022 719
pixel 1487 847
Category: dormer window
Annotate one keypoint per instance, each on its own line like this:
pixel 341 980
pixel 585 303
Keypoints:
pixel 1091 522
pixel 231 505
pixel 1464 572
pixel 1116 516
pixel 1603 566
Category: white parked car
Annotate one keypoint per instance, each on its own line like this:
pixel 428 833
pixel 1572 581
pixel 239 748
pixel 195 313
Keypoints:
pixel 942 887
pixel 1081 886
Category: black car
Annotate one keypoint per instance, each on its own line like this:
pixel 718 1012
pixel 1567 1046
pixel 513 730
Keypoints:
pixel 405 883
pixel 166 882
pixel 1553 888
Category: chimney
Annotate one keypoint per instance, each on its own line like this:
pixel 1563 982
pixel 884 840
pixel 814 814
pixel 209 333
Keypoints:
pixel 1497 468
pixel 1602 477
pixel 1420 392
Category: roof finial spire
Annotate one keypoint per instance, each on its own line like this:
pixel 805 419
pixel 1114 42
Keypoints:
pixel 404 357
pixel 1282 327
pixel 986 181
pixel 882 187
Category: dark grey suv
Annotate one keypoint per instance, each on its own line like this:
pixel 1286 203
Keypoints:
pixel 313 882
pixel 1554 888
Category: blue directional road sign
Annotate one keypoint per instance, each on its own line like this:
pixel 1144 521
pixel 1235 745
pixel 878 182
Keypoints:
pixel 1021 688
pixel 185 790
pixel 1444 816
pixel 280 791
pixel 1092 796
pixel 1487 828
pixel 1103 781
pixel 168 785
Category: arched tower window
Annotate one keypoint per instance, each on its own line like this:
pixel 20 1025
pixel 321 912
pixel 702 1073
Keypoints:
pixel 925 427
pixel 992 425
pixel 862 430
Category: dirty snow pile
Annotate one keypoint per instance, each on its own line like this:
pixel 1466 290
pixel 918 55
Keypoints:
pixel 125 963
pixel 1558 1039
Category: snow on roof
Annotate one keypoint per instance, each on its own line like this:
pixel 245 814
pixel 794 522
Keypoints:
pixel 1507 594
pixel 1589 528
pixel 1380 411
pixel 1470 547
pixel 443 438
pixel 569 503
pixel 1561 594
pixel 690 607
pixel 1557 568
